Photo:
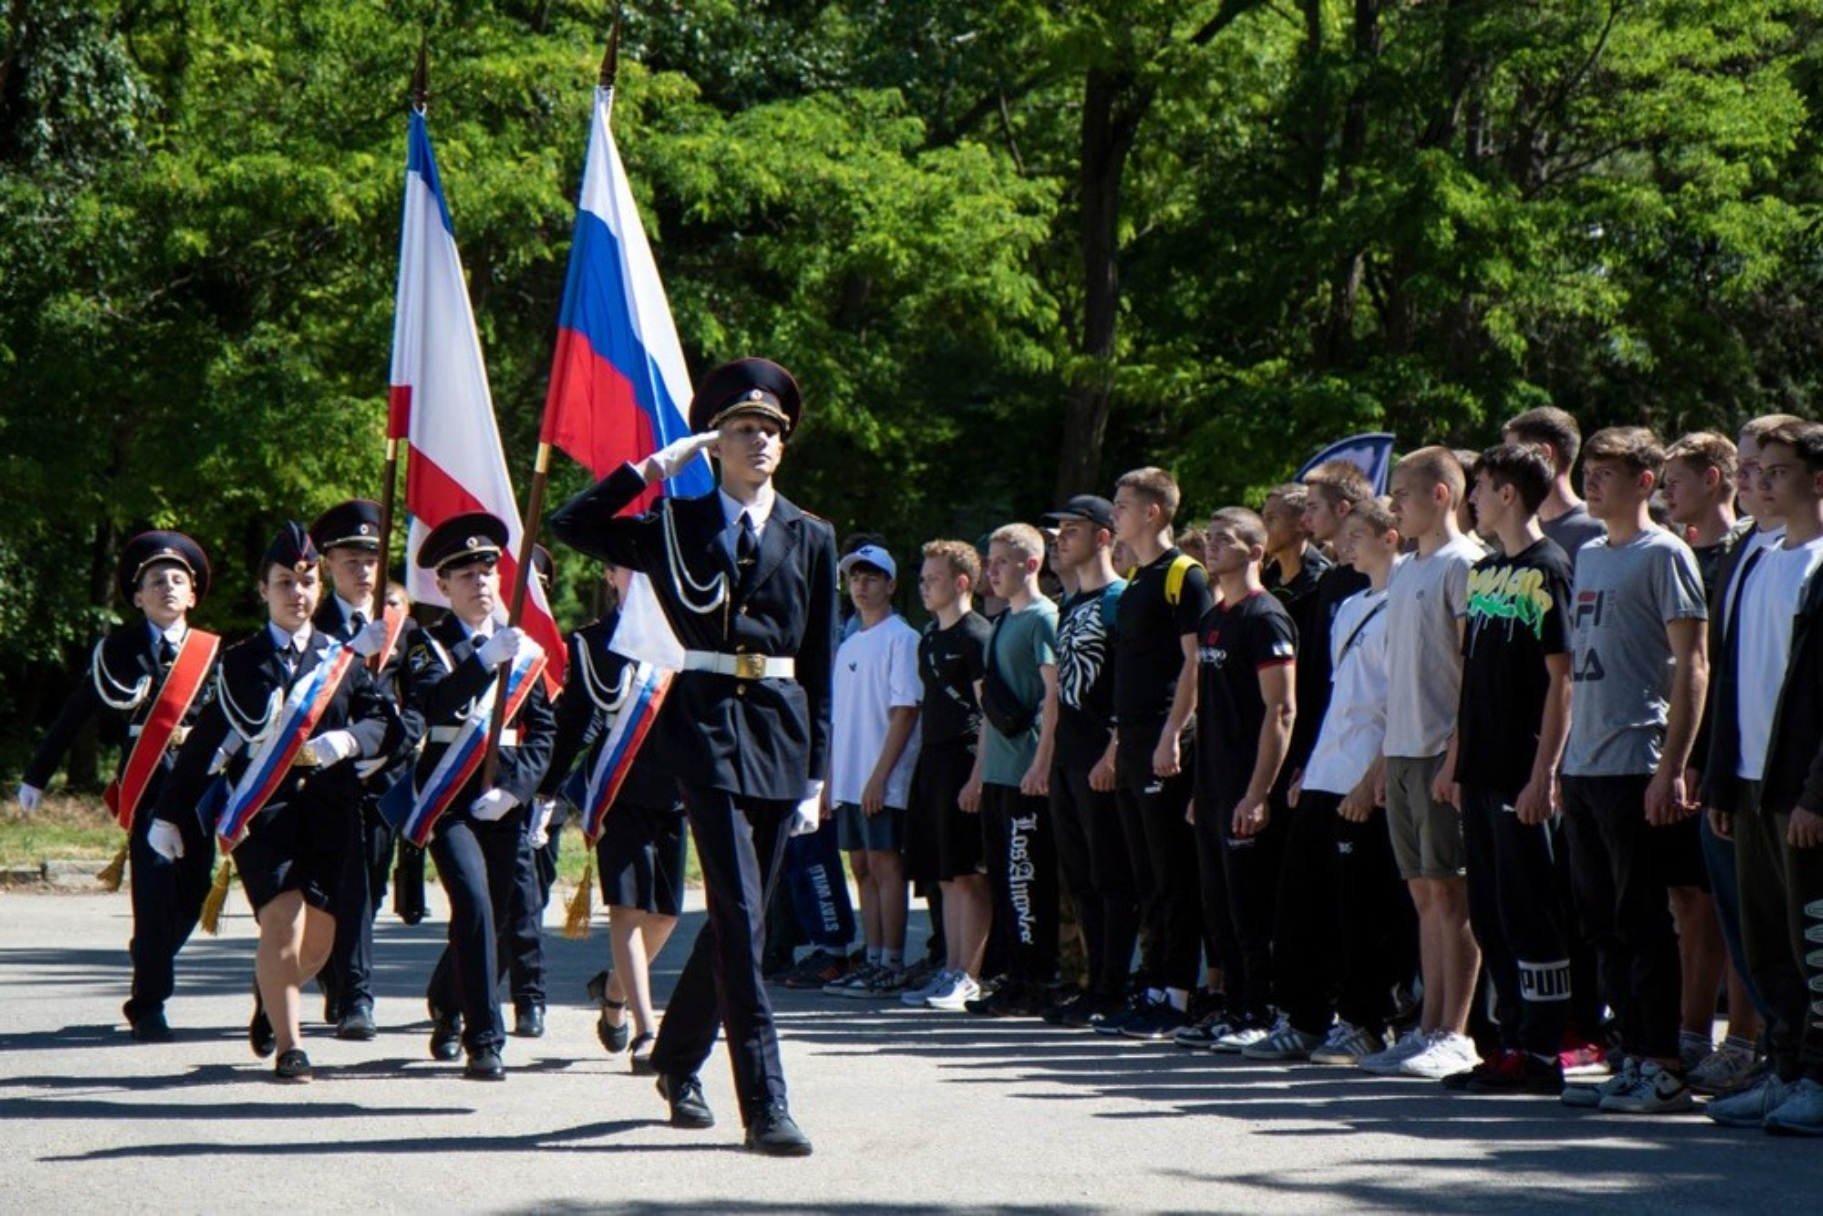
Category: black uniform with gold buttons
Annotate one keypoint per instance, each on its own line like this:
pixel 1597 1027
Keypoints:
pixel 745 726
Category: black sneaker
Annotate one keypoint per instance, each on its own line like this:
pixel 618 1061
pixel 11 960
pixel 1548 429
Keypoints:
pixel 1515 1072
pixel 990 988
pixel 1160 1021
pixel 1017 999
pixel 1138 1006
pixel 1060 1013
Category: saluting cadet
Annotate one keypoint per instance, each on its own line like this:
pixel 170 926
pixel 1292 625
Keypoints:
pixel 348 536
pixel 152 673
pixel 291 709
pixel 747 583
pixel 480 843
pixel 640 853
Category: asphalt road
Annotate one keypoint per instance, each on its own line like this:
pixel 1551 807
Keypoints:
pixel 910 1111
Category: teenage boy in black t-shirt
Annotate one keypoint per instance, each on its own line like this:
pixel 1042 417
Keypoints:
pixel 952 659
pixel 1090 845
pixel 1246 652
pixel 1148 759
pixel 1514 719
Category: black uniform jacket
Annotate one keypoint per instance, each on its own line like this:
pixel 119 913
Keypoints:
pixel 756 738
pixel 593 690
pixel 330 620
pixel 443 679
pixel 240 700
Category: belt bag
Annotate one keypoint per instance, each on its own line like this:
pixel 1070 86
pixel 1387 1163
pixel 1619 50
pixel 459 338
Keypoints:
pixel 741 666
pixel 1002 707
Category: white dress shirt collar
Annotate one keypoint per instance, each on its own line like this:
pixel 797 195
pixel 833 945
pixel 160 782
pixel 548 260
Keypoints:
pixel 759 510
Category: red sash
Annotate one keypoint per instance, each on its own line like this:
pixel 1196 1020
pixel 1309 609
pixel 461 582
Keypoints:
pixel 188 671
pixel 395 625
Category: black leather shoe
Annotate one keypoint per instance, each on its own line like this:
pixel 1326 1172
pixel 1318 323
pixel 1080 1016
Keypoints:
pixel 613 1037
pixel 357 1024
pixel 294 1065
pixel 445 1035
pixel 484 1065
pixel 528 1022
pixel 333 1012
pixel 259 1031
pixel 640 1059
pixel 773 1133
pixel 151 1028
pixel 688 1107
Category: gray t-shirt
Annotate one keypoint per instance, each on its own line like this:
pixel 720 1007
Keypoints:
pixel 1022 643
pixel 1574 529
pixel 1621 660
pixel 1424 603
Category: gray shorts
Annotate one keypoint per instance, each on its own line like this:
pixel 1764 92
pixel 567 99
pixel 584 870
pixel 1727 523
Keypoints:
pixel 1426 835
pixel 884 832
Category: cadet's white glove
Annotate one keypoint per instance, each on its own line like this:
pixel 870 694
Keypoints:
pixel 809 815
pixel 541 821
pixel 674 458
pixel 493 805
pixel 503 647
pixel 30 798
pixel 370 641
pixel 333 747
pixel 166 840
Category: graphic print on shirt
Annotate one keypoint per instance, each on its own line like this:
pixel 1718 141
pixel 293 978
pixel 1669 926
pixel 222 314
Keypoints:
pixel 1082 650
pixel 1514 594
pixel 1587 616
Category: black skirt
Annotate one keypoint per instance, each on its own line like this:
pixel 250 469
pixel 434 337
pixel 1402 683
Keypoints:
pixel 303 846
pixel 641 858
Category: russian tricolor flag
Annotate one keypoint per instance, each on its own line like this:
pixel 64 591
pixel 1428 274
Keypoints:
pixel 440 400
pixel 618 383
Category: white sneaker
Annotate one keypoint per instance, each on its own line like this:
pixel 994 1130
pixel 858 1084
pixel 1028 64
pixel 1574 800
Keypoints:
pixel 1446 1055
pixel 936 982
pixel 1593 1091
pixel 1387 1063
pixel 1654 1091
pixel 955 996
pixel 1726 1070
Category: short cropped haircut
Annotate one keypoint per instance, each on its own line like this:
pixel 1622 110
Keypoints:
pixel 1294 494
pixel 1705 450
pixel 1634 446
pixel 1804 438
pixel 1549 425
pixel 1247 526
pixel 1155 486
pixel 1193 541
pixel 960 556
pixel 1376 513
pixel 1522 466
pixel 1023 539
pixel 1435 466
pixel 1753 428
pixel 1340 481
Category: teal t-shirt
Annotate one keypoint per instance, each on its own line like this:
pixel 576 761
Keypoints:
pixel 1022 642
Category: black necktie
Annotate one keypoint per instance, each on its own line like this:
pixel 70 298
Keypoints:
pixel 288 656
pixel 357 621
pixel 167 653
pixel 747 544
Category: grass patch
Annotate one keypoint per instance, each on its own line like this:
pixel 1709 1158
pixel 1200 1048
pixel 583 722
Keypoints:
pixel 66 828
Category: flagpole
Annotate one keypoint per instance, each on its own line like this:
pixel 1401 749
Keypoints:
pixel 534 515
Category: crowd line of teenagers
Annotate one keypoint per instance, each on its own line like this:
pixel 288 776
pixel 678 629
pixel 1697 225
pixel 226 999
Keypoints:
pixel 1481 783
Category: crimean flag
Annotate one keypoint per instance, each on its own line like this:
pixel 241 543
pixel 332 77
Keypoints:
pixel 440 401
pixel 619 385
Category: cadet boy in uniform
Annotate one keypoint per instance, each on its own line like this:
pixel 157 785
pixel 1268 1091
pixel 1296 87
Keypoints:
pixel 747 583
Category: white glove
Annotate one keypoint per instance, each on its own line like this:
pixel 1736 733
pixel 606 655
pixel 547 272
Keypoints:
pixel 541 821
pixel 493 805
pixel 30 798
pixel 503 647
pixel 370 641
pixel 674 458
pixel 809 815
pixel 333 747
pixel 166 840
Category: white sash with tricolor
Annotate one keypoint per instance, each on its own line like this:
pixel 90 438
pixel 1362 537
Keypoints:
pixel 272 760
pixel 646 688
pixel 464 756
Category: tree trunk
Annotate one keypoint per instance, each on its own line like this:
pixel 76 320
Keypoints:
pixel 1111 111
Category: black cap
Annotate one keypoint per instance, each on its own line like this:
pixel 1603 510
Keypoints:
pixel 355 524
pixel 148 549
pixel 1097 510
pixel 292 548
pixel 543 565
pixel 746 386
pixel 462 539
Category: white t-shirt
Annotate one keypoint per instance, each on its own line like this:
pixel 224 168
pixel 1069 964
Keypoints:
pixel 876 672
pixel 1425 602
pixel 1768 606
pixel 1354 728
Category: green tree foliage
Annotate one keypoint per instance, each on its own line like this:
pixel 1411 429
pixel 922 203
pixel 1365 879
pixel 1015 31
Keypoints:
pixel 1010 246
